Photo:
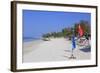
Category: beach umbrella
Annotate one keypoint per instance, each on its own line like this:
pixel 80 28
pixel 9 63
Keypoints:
pixel 73 46
pixel 73 42
pixel 80 30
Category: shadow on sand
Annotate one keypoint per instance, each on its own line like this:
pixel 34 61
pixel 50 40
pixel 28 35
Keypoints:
pixel 86 49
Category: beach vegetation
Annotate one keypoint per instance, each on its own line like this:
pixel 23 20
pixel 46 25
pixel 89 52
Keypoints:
pixel 67 32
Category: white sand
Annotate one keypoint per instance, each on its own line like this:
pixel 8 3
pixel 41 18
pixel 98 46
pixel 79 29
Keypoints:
pixel 58 49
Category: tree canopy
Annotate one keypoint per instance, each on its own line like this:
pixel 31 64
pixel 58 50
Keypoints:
pixel 69 31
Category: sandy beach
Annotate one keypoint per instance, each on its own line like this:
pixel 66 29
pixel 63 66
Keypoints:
pixel 57 49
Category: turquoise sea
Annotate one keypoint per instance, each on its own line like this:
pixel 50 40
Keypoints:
pixel 28 39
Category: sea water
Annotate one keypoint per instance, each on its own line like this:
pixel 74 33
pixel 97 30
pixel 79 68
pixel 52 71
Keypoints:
pixel 28 39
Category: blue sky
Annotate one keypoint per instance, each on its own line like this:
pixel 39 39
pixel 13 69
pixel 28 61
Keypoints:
pixel 36 23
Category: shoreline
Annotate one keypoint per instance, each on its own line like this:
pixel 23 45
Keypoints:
pixel 28 46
